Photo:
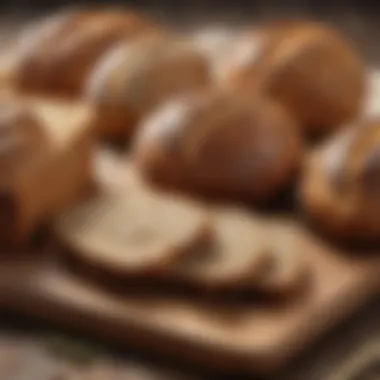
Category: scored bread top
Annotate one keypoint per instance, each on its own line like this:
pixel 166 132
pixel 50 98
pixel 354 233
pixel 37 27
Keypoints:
pixel 133 231
pixel 56 53
pixel 220 145
pixel 135 76
pixel 340 182
pixel 307 66
pixel 145 71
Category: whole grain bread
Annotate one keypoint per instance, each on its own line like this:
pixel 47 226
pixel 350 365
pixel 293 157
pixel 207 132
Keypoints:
pixel 134 232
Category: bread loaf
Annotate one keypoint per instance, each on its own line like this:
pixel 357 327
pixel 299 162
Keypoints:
pixel 56 55
pixel 220 145
pixel 307 66
pixel 137 76
pixel 340 184
pixel 45 163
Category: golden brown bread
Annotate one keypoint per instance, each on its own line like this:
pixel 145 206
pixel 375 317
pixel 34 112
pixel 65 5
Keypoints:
pixel 307 66
pixel 134 231
pixel 340 184
pixel 220 145
pixel 22 140
pixel 42 168
pixel 56 55
pixel 135 77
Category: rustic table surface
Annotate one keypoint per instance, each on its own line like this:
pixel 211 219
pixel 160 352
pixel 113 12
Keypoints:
pixel 29 351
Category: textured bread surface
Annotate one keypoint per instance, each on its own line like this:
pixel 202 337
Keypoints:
pixel 55 55
pixel 220 145
pixel 309 67
pixel 134 231
pixel 236 256
pixel 340 185
pixel 46 161
pixel 136 76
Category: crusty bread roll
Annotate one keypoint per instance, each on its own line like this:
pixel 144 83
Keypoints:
pixel 42 167
pixel 307 66
pixel 136 76
pixel 133 232
pixel 220 145
pixel 341 184
pixel 56 55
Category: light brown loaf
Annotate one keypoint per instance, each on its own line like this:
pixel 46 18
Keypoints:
pixel 56 55
pixel 43 168
pixel 135 77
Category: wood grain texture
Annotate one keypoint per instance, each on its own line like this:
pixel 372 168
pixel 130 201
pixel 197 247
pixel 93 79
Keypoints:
pixel 242 338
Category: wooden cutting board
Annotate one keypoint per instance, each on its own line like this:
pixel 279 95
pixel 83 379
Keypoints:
pixel 250 337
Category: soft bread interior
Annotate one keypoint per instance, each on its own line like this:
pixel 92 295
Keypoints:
pixel 237 255
pixel 133 231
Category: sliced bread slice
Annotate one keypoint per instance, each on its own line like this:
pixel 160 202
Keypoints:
pixel 134 232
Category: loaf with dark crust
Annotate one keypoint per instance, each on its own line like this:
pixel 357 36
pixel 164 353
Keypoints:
pixel 340 184
pixel 135 77
pixel 220 145
pixel 309 67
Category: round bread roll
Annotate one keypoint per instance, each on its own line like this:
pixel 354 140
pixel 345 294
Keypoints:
pixel 220 145
pixel 135 77
pixel 133 232
pixel 55 55
pixel 340 186
pixel 308 67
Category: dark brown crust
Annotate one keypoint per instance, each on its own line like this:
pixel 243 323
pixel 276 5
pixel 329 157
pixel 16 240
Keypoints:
pixel 229 146
pixel 311 69
pixel 349 208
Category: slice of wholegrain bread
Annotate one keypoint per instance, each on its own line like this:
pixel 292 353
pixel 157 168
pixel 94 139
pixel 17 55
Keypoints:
pixel 287 270
pixel 235 257
pixel 134 232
